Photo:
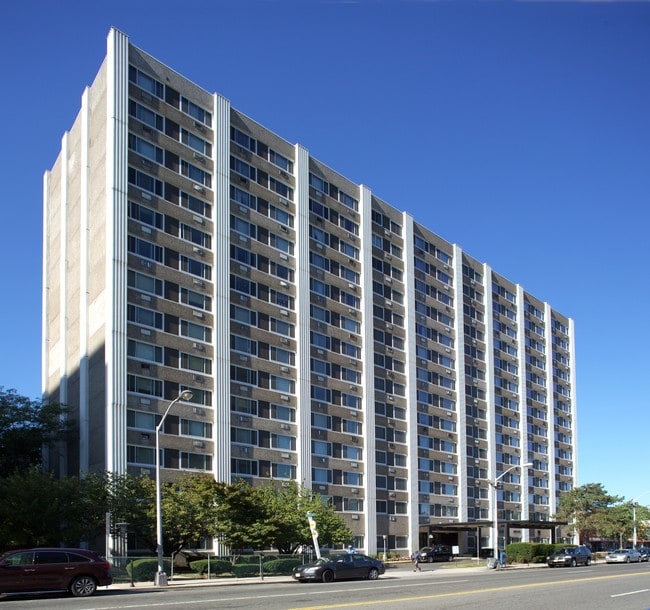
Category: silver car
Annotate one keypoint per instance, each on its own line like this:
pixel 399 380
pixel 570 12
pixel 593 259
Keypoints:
pixel 623 556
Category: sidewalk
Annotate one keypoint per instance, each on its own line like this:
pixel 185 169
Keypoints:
pixel 393 570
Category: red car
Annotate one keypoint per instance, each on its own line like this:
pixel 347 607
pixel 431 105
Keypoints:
pixel 77 571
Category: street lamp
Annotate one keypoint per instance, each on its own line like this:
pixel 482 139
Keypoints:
pixel 495 518
pixel 161 577
pixel 634 507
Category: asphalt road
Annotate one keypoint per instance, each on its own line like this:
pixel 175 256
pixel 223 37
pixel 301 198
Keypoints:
pixel 597 587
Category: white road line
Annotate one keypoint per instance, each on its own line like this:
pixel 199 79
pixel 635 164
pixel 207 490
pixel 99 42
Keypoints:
pixel 630 593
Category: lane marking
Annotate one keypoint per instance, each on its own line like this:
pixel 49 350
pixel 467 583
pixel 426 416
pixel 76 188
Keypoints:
pixel 474 592
pixel 630 593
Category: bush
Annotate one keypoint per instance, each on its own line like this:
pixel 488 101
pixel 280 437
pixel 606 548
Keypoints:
pixel 244 570
pixel 217 566
pixel 247 559
pixel 530 552
pixel 281 566
pixel 142 570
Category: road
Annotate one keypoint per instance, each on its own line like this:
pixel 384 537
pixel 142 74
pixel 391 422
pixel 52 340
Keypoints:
pixel 597 587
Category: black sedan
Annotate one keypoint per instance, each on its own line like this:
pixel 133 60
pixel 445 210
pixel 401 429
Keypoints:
pixel 340 567
pixel 570 556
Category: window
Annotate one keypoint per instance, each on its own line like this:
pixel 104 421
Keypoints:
pixel 282 441
pixel 141 420
pixel 196 112
pixel 283 413
pixel 195 331
pixel 283 471
pixel 146 149
pixel 140 455
pixel 195 267
pixel 145 351
pixel 196 143
pixel 190 427
pixel 195 461
pixel 321 475
pixel 145 283
pixel 195 299
pixel 144 385
pixel 144 317
pixel 321 448
pixel 146 82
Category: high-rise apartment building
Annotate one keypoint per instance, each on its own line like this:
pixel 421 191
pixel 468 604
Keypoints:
pixel 327 337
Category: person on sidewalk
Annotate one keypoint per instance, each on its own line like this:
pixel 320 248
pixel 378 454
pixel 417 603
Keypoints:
pixel 415 558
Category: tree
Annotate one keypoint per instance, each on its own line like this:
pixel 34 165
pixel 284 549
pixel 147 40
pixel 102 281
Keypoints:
pixel 240 523
pixel 25 426
pixel 286 508
pixel 584 508
pixel 129 498
pixel 38 509
pixel 275 516
pixel 188 511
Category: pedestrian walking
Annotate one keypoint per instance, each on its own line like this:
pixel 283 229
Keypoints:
pixel 415 558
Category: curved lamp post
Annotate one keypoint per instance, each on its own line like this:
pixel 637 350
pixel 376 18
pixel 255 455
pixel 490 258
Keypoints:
pixel 161 577
pixel 495 518
pixel 635 503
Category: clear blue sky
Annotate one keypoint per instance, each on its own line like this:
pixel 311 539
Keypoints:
pixel 519 130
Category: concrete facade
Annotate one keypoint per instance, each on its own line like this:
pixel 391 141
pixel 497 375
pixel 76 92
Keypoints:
pixel 327 336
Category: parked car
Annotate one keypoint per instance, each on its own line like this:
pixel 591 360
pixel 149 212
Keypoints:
pixel 340 567
pixel 623 556
pixel 77 571
pixel 570 556
pixel 429 554
pixel 645 552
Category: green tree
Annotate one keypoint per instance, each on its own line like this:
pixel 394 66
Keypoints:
pixel 130 499
pixel 37 509
pixel 275 515
pixel 188 511
pixel 240 522
pixel 584 507
pixel 286 507
pixel 25 426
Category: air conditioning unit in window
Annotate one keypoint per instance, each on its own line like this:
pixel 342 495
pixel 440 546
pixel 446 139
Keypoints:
pixel 198 188
pixel 284 426
pixel 198 443
pixel 393 518
pixel 198 346
pixel 354 490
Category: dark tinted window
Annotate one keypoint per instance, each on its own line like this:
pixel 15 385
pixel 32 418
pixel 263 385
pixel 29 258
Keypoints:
pixel 74 558
pixel 51 557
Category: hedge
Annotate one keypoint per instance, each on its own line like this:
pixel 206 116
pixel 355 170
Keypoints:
pixel 281 566
pixel 243 570
pixel 217 566
pixel 530 552
pixel 146 569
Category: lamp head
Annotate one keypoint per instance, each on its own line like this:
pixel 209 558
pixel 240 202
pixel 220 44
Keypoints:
pixel 186 395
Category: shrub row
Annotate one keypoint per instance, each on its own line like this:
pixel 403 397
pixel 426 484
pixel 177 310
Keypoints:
pixel 250 566
pixel 142 570
pixel 530 552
